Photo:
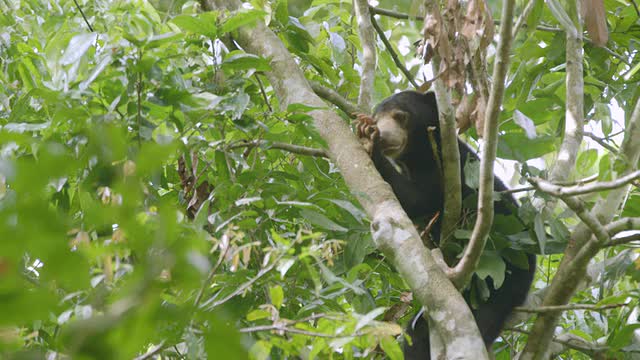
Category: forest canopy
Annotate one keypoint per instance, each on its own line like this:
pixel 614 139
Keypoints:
pixel 181 179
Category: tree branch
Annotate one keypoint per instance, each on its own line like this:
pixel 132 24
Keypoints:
pixel 523 17
pixel 296 149
pixel 590 307
pixel 284 329
pixel 434 32
pixel 368 42
pixel 336 99
pixel 574 113
pixel 560 191
pixel 463 270
pixel 569 341
pixel 622 240
pixel 393 53
pixel 623 224
pixel 600 141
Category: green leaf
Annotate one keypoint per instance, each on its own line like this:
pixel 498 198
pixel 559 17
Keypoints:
pixel 77 47
pixel 472 173
pixel 243 61
pixel 525 123
pixel 258 315
pixel 357 214
pixel 320 220
pixel 605 168
pixel 541 235
pixel 622 337
pixel 491 264
pixel 222 341
pixel 586 160
pixel 203 24
pixel 282 12
pixel 277 296
pixel 297 107
pixel 391 348
pixel 260 350
pixel 241 18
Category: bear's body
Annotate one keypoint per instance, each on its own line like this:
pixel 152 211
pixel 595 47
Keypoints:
pixel 398 130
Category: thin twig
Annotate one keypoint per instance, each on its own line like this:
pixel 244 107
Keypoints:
pixel 139 102
pixel 211 304
pixel 212 272
pixel 517 190
pixel 264 94
pixel 336 99
pixel 83 15
pixel 153 351
pixel 282 328
pixel 393 53
pixel 393 14
pixel 523 17
pixel 296 149
pixel 635 6
pixel 552 308
pixel 600 141
pixel 586 348
pixel 622 240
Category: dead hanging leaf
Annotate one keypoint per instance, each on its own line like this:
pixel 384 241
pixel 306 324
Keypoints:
pixel 431 37
pixel 426 85
pixel 457 66
pixel 595 21
pixel 246 255
pixel 478 27
pixel 118 236
pixel 478 114
pixel 81 239
pixel 463 113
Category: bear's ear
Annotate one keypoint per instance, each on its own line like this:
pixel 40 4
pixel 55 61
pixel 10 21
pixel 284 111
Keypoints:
pixel 430 99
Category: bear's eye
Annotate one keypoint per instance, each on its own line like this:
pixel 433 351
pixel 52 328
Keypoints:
pixel 400 117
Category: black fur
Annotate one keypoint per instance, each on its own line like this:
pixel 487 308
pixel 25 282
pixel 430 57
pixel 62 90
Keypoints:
pixel 419 190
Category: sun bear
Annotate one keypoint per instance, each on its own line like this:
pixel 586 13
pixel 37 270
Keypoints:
pixel 397 139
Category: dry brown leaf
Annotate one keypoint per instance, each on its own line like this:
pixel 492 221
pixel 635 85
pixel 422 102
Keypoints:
pixel 595 21
pixel 478 114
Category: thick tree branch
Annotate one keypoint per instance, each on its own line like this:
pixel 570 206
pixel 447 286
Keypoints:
pixel 559 191
pixel 601 234
pixel 574 113
pixel 336 99
pixel 393 231
pixel 623 224
pixel 368 42
pixel 463 270
pixel 435 32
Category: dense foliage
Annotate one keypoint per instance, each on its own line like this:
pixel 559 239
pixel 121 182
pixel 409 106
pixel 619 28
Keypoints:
pixel 142 208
